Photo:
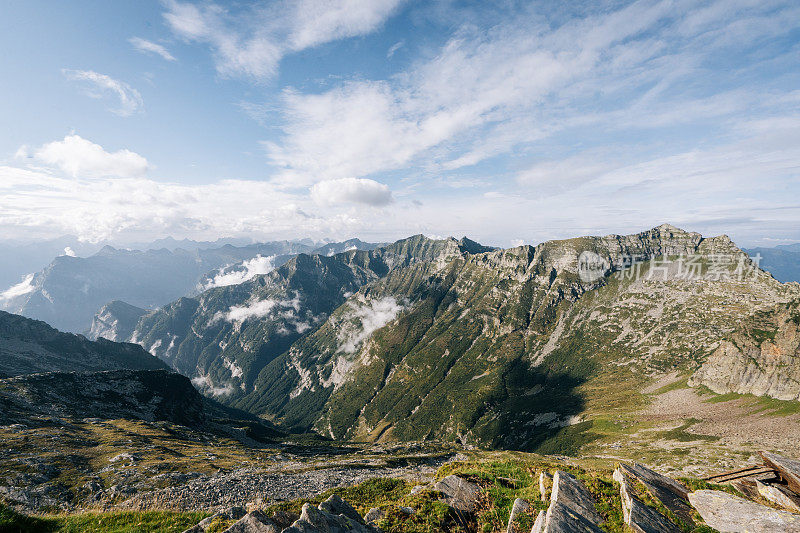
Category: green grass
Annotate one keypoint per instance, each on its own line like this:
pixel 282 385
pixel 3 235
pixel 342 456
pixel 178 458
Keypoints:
pixel 758 404
pixel 680 434
pixel 675 385
pixel 116 522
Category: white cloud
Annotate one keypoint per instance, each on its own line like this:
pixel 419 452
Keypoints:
pixel 352 190
pixel 256 309
pixel 260 309
pixel 253 41
pixel 206 386
pixel 394 48
pixel 239 273
pixel 20 289
pixel 79 157
pixel 143 45
pixel 366 317
pixel 100 86
pixel 69 252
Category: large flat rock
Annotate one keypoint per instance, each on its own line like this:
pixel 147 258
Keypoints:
pixel 789 469
pixel 730 514
pixel 459 493
pixel 639 517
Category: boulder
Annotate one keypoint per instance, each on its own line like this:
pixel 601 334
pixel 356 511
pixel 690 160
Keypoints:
pixel 571 508
pixel 337 506
pixel 788 469
pixel 520 507
pixel 314 520
pixel 640 517
pixel 727 513
pixel 458 493
pixel 779 496
pixel 373 515
pixel 254 522
pixel 538 525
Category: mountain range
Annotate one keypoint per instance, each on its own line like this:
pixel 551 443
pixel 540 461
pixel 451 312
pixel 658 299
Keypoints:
pixel 70 291
pixel 449 339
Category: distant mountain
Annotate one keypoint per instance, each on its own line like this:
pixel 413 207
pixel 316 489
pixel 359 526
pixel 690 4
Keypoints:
pixel 70 291
pixel 332 248
pixel 30 346
pixel 21 258
pixel 789 247
pixel 783 262
pixel 115 321
pixel 448 339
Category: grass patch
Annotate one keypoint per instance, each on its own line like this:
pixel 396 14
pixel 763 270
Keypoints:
pixel 116 522
pixel 675 385
pixel 680 434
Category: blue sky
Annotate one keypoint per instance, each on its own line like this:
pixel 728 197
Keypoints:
pixel 507 122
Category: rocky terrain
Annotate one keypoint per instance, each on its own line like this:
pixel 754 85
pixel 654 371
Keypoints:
pixel 761 358
pixel 30 346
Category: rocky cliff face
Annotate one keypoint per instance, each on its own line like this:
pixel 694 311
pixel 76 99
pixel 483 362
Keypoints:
pixel 148 395
pixel 115 321
pixel 30 346
pixel 761 358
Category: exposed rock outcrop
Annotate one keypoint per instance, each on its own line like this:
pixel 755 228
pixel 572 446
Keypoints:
pixel 729 514
pixel 30 346
pixel 139 394
pixel 763 362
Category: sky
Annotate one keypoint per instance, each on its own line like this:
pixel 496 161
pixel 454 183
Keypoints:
pixel 508 122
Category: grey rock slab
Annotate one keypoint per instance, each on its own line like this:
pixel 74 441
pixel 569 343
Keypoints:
pixel 313 520
pixel 779 496
pixel 254 522
pixel 538 525
pixel 640 517
pixel 731 514
pixel 520 506
pixel 335 505
pixel 672 494
pixel 459 493
pixel 571 507
pixel 789 469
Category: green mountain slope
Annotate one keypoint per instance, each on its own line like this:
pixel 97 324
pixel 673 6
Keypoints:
pixel 451 340
pixel 225 336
